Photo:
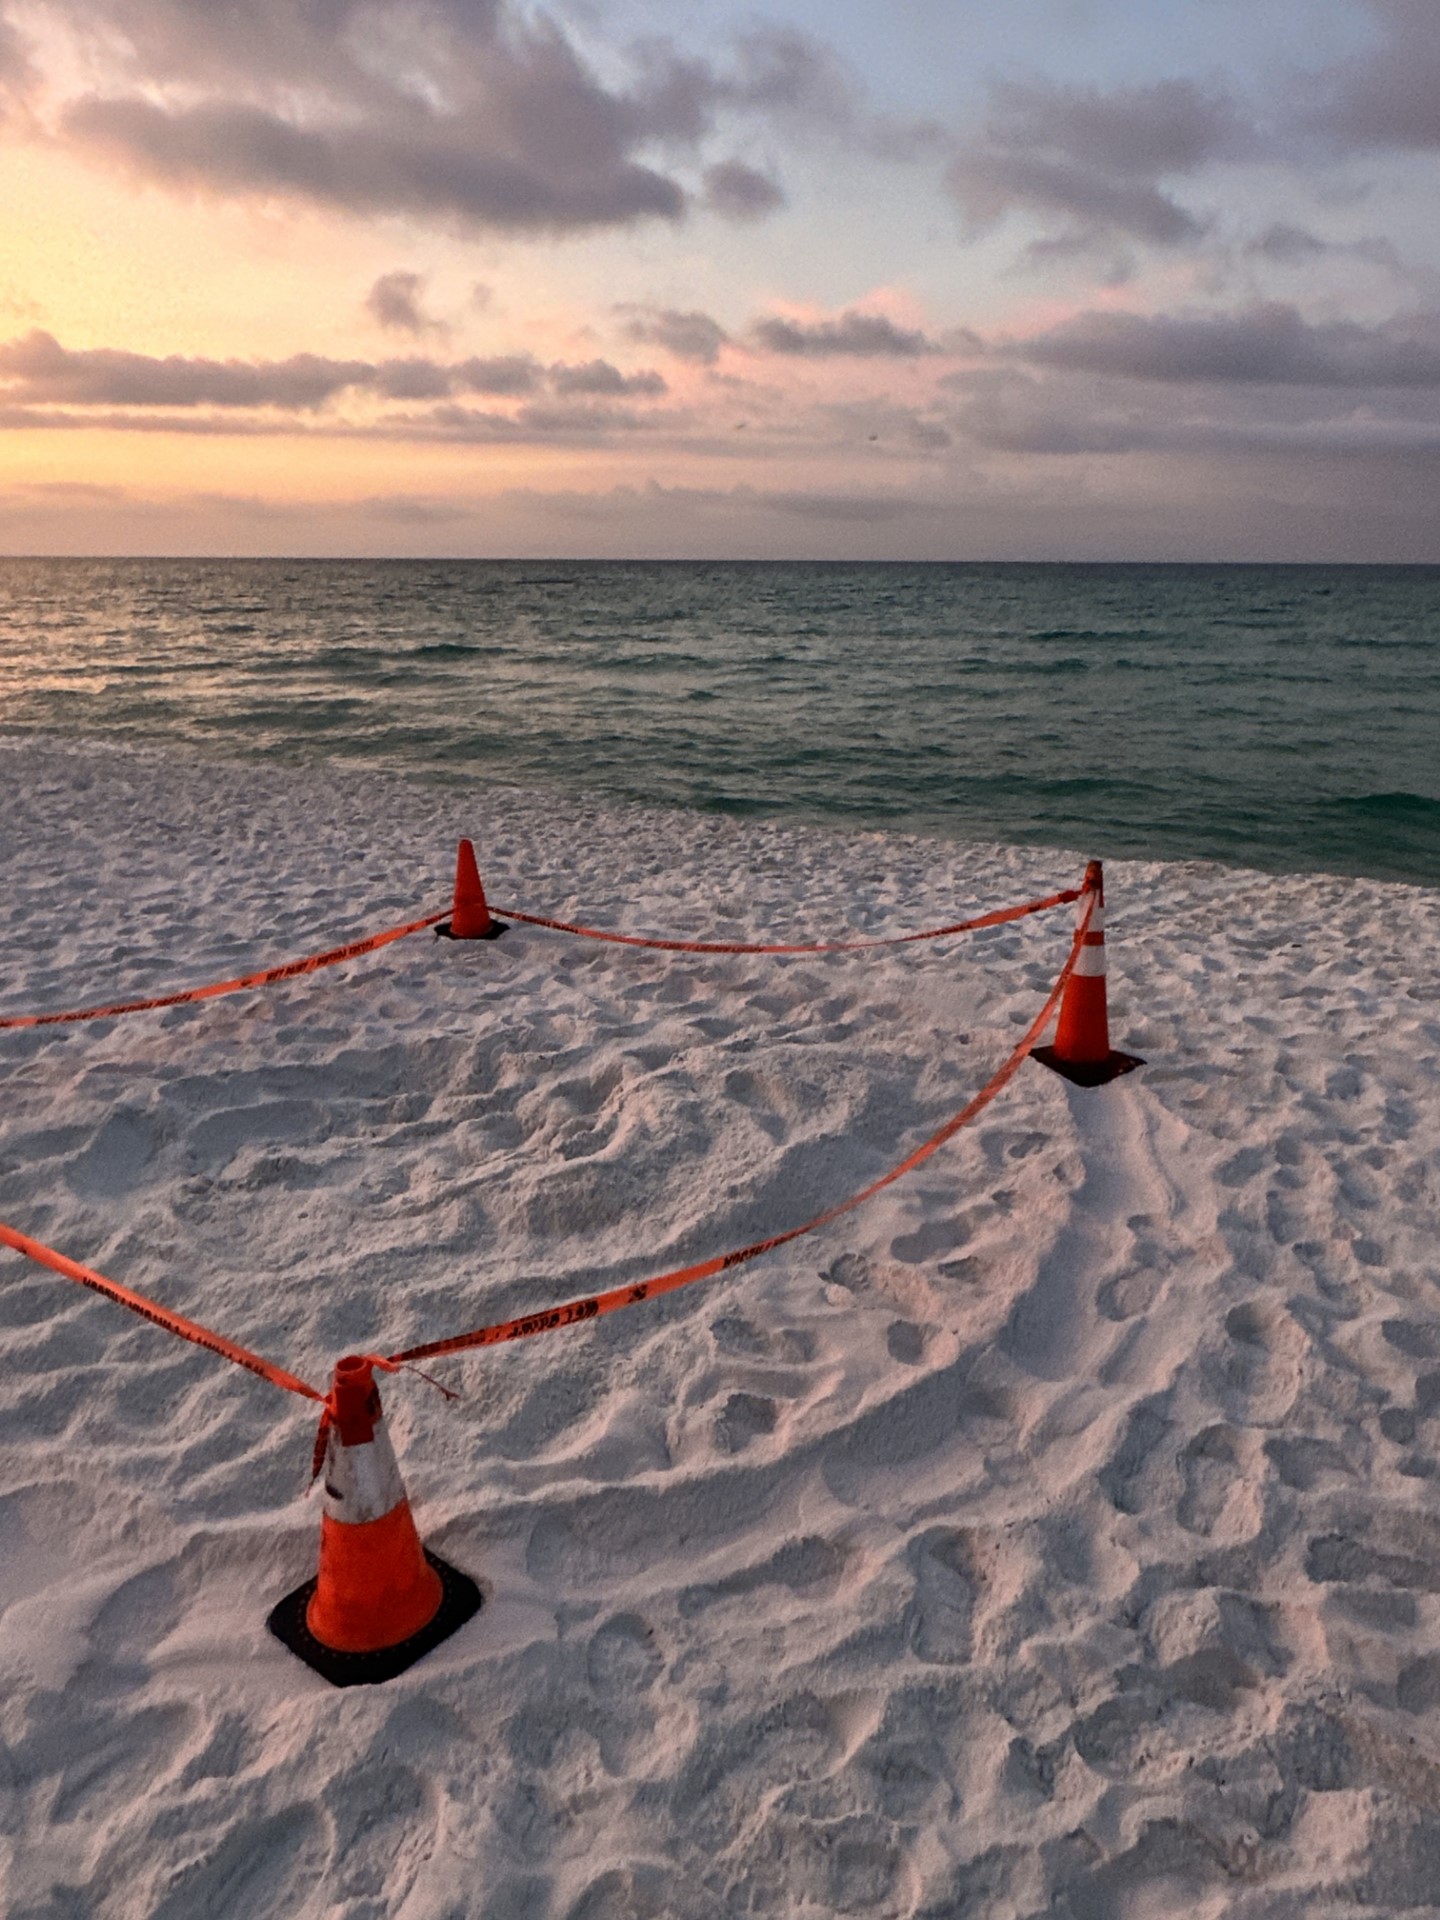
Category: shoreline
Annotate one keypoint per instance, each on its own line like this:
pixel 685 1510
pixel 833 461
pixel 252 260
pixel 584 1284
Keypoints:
pixel 587 803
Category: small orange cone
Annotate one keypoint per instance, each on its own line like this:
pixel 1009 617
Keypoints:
pixel 380 1599
pixel 1082 1050
pixel 470 917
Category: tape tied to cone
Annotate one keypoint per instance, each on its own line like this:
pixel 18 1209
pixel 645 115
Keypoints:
pixel 1081 1051
pixel 380 1599
pixel 470 915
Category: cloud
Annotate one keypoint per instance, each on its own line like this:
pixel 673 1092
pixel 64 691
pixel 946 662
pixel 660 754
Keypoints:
pixel 796 81
pixel 1267 344
pixel 1389 96
pixel 37 372
pixel 513 373
pixel 688 335
pixel 580 422
pixel 475 113
pixel 39 369
pixel 988 185
pixel 467 111
pixel 1060 424
pixel 1139 132
pixel 394 303
pixel 600 378
pixel 1094 160
pixel 16 72
pixel 1288 246
pixel 888 428
pixel 1285 245
pixel 412 380
pixel 870 335
pixel 424 168
pixel 738 192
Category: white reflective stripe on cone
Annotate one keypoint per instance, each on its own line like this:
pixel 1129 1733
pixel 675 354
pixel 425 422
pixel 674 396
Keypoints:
pixel 1097 918
pixel 361 1483
pixel 1090 965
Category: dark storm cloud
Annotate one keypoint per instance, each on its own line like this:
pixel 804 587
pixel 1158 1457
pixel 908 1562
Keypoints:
pixel 688 335
pixel 394 303
pixel 1094 160
pixel 1268 344
pixel 869 335
pixel 738 192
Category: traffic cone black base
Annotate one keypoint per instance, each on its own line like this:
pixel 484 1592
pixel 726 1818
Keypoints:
pixel 470 917
pixel 461 1601
pixel 492 932
pixel 1082 1053
pixel 1088 1073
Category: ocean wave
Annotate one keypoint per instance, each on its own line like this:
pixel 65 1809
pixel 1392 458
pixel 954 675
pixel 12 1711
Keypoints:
pixel 1410 809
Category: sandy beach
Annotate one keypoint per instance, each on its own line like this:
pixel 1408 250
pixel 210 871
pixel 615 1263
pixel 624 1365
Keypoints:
pixel 1056 1535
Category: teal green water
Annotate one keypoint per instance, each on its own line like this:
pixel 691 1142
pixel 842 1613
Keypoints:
pixel 1279 717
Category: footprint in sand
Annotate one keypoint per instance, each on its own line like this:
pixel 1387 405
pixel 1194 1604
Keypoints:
pixel 622 1658
pixel 744 1417
pixel 264 1869
pixel 803 1565
pixel 1138 1473
pixel 1221 1500
pixel 101 1757
pixel 1394 1549
pixel 947 1582
pixel 1418 1688
pixel 1416 1339
pixel 906 1342
pixel 1128 1294
pixel 1257 1373
pixel 798 1737
pixel 624 1893
pixel 845 1865
pixel 119 1151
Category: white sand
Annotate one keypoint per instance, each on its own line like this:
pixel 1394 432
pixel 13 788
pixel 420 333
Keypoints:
pixel 1055 1536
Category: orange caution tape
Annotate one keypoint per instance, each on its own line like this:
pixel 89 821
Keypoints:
pixel 292 970
pixel 995 919
pixel 575 1311
pixel 152 1310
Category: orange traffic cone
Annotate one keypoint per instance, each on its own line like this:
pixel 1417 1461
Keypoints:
pixel 380 1599
pixel 1082 1050
pixel 470 917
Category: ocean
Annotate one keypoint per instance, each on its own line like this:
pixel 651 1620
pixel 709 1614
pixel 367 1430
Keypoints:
pixel 1285 718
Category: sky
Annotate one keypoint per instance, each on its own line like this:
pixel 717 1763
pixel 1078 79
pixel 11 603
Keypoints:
pixel 874 279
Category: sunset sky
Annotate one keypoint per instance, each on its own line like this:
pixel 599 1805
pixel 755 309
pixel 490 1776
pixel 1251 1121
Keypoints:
pixel 930 279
